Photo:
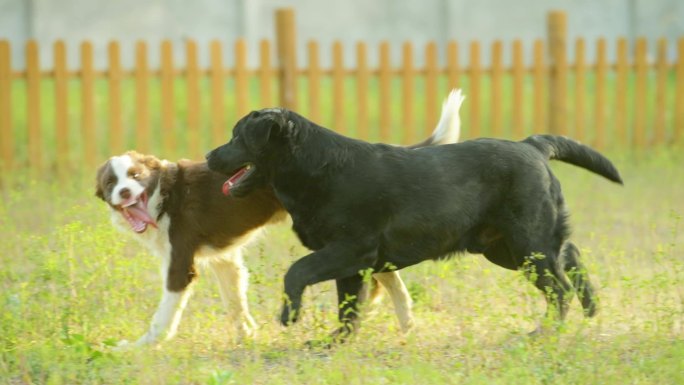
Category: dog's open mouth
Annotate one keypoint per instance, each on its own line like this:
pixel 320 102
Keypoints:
pixel 241 174
pixel 135 212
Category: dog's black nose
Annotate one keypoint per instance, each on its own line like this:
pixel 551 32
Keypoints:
pixel 125 193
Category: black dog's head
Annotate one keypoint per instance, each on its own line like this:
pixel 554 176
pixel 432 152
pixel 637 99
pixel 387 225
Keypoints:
pixel 248 157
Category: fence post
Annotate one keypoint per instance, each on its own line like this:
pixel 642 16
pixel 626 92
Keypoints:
pixel 600 109
pixel 6 136
pixel 265 74
pixel 338 75
pixel 287 57
pixel 115 75
pixel 385 92
pixel 61 79
pixel 679 93
pixel 475 81
pixel 314 75
pixel 142 98
pixel 168 113
pixel 87 78
pixel 217 93
pixel 33 110
pixel 192 81
pixel 640 90
pixel 557 38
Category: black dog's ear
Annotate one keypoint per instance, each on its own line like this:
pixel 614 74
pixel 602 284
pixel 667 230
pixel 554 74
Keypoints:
pixel 258 135
pixel 266 127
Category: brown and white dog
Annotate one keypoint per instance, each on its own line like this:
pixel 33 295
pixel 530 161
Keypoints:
pixel 178 211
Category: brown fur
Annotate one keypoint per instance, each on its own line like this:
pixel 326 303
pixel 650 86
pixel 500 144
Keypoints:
pixel 201 216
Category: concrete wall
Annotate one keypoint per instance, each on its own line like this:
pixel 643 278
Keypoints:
pixel 349 21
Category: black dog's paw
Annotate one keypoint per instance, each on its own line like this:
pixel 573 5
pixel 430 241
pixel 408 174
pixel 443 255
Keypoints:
pixel 323 344
pixel 590 307
pixel 337 337
pixel 289 315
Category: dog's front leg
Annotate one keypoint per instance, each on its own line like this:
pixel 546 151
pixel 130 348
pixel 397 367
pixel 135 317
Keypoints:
pixel 167 317
pixel 177 274
pixel 351 292
pixel 332 262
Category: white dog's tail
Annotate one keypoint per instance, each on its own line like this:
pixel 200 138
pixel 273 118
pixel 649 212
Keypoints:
pixel 448 129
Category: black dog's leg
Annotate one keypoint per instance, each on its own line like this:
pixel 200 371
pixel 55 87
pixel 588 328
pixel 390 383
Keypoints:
pixel 541 269
pixel 497 253
pixel 541 266
pixel 323 265
pixel 350 293
pixel 570 259
pixel 544 271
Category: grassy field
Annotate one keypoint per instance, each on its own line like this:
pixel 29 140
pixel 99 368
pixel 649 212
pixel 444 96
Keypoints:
pixel 71 286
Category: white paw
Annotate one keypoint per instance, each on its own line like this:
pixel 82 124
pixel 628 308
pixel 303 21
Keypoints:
pixel 245 332
pixel 145 340
pixel 122 346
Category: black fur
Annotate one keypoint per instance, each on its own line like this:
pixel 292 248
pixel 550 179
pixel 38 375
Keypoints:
pixel 360 205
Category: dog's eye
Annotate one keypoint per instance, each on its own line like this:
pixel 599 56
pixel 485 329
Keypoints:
pixel 110 182
pixel 136 176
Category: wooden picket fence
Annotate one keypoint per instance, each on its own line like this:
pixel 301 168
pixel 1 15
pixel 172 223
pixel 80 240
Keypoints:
pixel 632 102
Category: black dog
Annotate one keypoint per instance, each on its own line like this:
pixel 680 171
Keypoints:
pixel 367 206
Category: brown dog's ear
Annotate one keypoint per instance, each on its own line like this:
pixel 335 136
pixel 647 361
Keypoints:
pixel 99 192
pixel 151 162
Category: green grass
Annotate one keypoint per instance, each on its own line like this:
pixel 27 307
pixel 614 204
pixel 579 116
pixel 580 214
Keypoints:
pixel 70 285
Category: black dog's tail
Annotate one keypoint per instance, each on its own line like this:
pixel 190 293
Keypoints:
pixel 570 151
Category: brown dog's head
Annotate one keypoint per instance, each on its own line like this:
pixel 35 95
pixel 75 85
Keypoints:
pixel 126 182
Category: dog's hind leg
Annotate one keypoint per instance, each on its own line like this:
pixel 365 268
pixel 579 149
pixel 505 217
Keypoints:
pixel 401 298
pixel 375 292
pixel 545 272
pixel 542 269
pixel 573 267
pixel 232 277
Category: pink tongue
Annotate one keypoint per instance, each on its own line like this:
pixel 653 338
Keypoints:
pixel 233 179
pixel 138 217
